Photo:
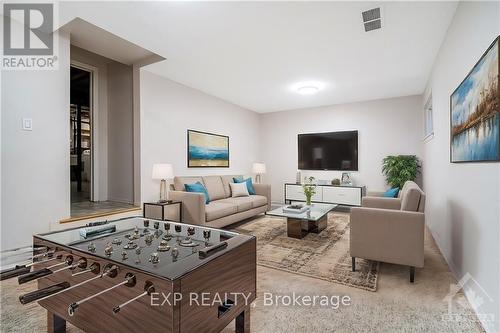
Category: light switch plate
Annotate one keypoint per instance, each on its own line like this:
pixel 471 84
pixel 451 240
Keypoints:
pixel 27 124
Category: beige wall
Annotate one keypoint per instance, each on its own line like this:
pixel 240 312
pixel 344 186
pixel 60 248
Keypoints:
pixel 463 203
pixel 120 133
pixel 35 174
pixel 386 127
pixel 169 109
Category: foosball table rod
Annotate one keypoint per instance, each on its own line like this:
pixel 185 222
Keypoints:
pixel 148 289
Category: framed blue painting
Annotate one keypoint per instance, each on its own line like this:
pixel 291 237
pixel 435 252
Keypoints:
pixel 207 150
pixel 475 112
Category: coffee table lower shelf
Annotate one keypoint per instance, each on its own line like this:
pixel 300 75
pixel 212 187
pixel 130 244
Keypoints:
pixel 299 228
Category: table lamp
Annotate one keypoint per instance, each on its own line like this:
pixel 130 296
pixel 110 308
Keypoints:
pixel 259 169
pixel 163 172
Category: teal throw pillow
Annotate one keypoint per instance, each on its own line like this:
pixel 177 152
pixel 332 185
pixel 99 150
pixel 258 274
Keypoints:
pixel 198 188
pixel 392 193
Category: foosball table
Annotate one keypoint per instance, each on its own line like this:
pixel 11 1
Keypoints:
pixel 142 275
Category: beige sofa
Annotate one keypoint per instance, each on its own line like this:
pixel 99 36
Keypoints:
pixel 390 229
pixel 222 209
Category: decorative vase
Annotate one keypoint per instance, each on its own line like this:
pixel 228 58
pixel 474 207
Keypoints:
pixel 308 201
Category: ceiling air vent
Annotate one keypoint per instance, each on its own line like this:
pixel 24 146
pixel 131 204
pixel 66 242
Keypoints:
pixel 372 19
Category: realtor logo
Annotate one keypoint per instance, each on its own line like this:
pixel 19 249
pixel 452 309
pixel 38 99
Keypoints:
pixel 477 297
pixel 28 29
pixel 29 40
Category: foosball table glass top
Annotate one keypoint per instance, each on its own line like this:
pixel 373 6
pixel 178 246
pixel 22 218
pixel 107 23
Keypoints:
pixel 163 248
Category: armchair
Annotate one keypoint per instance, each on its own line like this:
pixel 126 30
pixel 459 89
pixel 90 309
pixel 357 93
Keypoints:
pixel 390 229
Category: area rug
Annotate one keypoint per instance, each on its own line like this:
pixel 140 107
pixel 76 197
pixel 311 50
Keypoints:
pixel 324 256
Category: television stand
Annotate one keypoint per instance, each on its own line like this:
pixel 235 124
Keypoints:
pixel 332 194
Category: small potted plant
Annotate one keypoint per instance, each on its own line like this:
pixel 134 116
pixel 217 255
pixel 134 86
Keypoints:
pixel 309 189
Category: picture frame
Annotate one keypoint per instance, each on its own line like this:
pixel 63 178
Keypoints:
pixel 346 179
pixel 474 118
pixel 207 150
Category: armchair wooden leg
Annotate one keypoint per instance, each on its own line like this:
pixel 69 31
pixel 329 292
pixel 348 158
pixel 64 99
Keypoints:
pixel 412 274
pixel 353 264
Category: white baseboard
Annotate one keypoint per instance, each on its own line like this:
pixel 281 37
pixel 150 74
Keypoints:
pixel 488 326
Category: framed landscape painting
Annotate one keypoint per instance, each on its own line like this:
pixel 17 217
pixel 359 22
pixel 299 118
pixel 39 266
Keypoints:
pixel 475 112
pixel 207 150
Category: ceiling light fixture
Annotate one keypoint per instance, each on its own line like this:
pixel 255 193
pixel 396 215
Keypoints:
pixel 308 88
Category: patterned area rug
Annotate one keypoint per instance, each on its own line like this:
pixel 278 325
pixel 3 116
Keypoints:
pixel 323 256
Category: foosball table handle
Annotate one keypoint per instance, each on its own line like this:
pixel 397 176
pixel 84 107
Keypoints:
pixel 208 251
pixel 13 272
pixel 44 292
pixel 34 275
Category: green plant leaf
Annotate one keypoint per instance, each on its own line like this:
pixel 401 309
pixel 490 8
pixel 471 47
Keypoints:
pixel 400 168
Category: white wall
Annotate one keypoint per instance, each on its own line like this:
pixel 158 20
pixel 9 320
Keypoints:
pixel 386 127
pixel 120 133
pixel 35 164
pixel 169 109
pixel 463 199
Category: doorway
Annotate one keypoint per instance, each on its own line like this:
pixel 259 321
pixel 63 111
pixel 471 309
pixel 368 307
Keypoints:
pixel 81 135
pixel 89 180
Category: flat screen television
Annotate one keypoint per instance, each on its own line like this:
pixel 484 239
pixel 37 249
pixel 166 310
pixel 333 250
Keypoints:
pixel 328 151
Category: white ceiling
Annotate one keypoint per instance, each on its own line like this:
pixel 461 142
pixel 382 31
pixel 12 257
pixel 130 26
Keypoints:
pixel 94 39
pixel 251 53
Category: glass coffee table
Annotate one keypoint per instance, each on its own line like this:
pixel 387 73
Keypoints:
pixel 298 225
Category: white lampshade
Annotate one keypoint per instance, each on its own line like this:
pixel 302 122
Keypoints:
pixel 163 171
pixel 259 168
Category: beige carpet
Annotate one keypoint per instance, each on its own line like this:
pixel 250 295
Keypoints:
pixel 16 317
pixel 396 306
pixel 323 256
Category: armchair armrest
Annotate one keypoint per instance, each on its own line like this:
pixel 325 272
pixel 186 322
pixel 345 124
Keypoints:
pixel 381 202
pixel 193 206
pixel 388 235
pixel 264 190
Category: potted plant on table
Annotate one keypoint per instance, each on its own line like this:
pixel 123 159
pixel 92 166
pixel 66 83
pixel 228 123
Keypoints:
pixel 399 169
pixel 309 189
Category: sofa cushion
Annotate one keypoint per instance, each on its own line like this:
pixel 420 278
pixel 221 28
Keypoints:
pixel 179 182
pixel 258 200
pixel 214 187
pixel 225 182
pixel 421 205
pixel 239 190
pixel 248 183
pixel 242 203
pixel 217 209
pixel 410 198
pixel 405 187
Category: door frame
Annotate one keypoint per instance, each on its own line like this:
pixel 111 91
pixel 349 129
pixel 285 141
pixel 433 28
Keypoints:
pixel 94 127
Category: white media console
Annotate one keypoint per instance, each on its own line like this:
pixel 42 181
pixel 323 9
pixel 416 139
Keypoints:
pixel 340 195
